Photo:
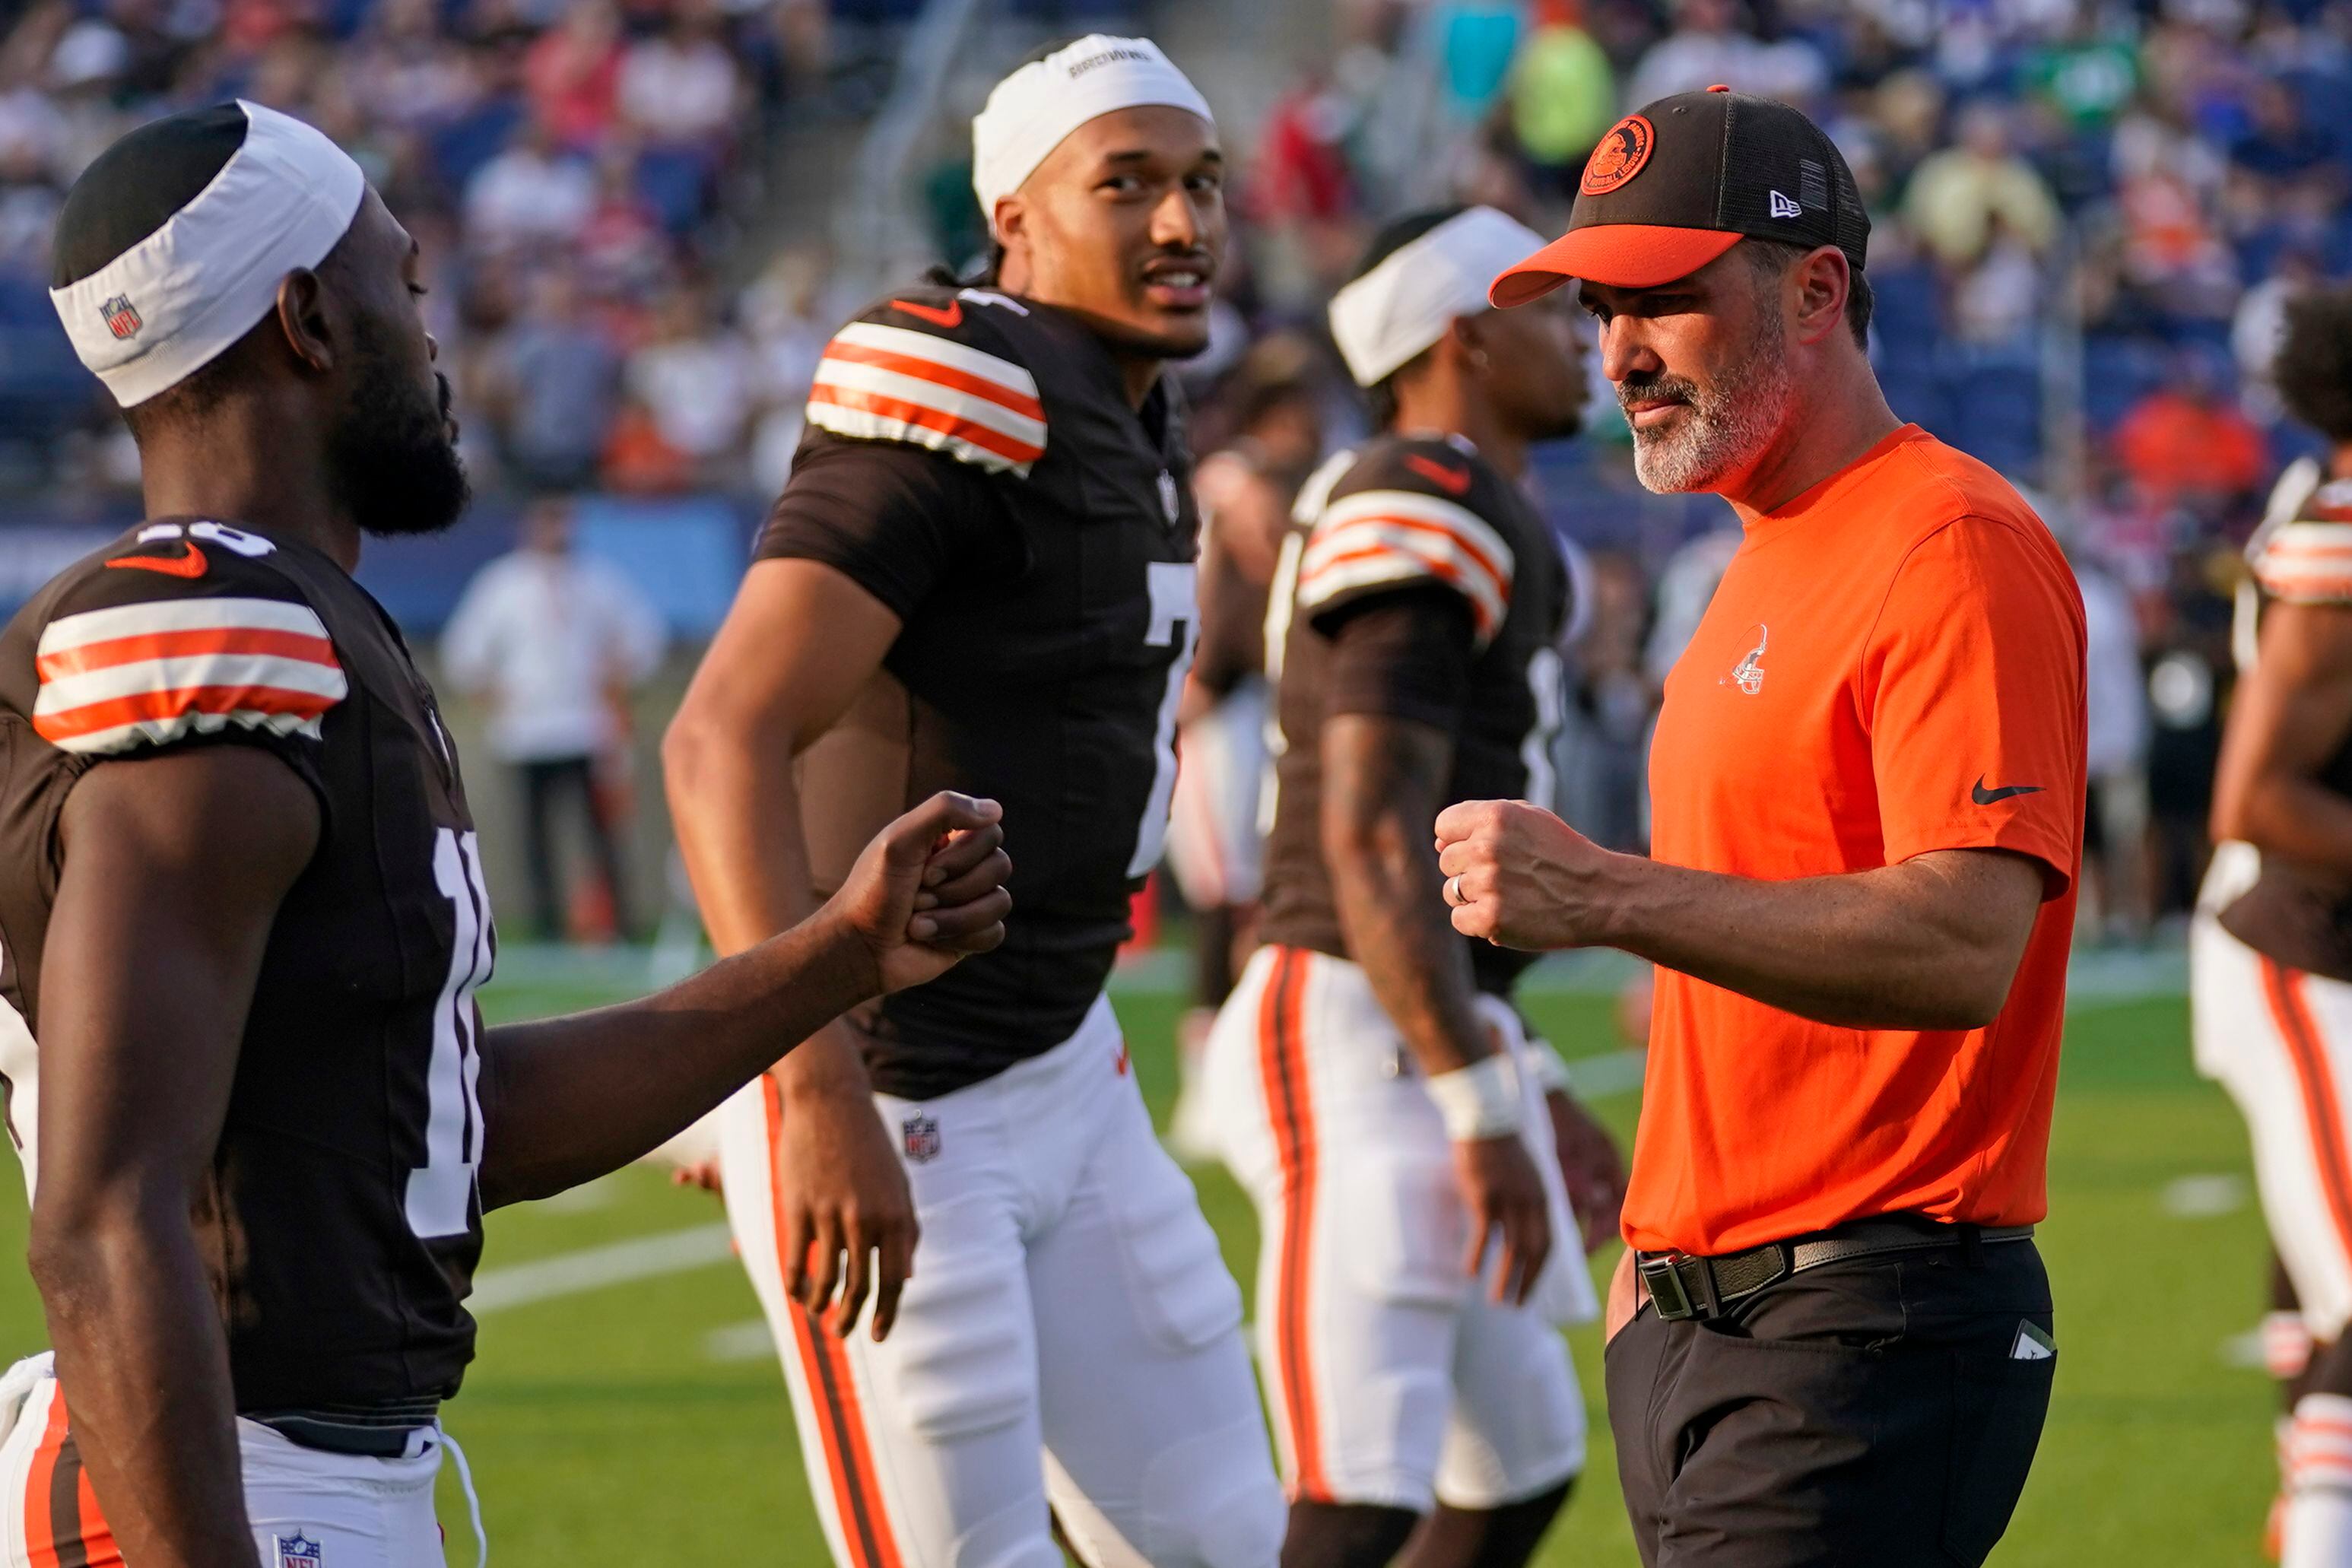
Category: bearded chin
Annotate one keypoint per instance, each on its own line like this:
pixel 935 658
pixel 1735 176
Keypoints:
pixel 1729 425
pixel 394 465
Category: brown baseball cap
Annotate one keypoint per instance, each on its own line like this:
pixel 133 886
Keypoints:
pixel 1671 188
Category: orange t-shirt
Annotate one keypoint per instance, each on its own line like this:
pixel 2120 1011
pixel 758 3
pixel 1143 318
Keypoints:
pixel 1892 665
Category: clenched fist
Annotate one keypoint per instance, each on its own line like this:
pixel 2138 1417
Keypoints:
pixel 1519 876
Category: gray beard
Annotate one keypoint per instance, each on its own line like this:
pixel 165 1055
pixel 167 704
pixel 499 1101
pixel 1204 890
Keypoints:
pixel 1725 427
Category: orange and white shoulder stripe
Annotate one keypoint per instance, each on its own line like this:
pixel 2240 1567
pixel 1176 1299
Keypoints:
pixel 2307 562
pixel 148 674
pixel 1379 537
pixel 891 383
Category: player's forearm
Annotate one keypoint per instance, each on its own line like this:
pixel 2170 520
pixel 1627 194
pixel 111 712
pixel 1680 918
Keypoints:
pixel 1903 947
pixel 140 1353
pixel 1382 781
pixel 1397 931
pixel 569 1099
pixel 2291 816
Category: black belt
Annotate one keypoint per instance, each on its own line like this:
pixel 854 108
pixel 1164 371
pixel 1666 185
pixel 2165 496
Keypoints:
pixel 1682 1285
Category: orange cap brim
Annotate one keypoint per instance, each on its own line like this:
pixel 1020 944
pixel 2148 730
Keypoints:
pixel 1618 254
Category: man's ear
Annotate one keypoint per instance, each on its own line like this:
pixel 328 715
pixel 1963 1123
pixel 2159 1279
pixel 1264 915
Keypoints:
pixel 1011 221
pixel 1820 280
pixel 1467 338
pixel 302 318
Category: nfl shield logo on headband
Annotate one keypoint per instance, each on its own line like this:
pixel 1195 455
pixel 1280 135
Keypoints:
pixel 122 316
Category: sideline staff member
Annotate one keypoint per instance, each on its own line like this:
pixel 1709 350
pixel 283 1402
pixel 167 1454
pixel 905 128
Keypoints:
pixel 1868 779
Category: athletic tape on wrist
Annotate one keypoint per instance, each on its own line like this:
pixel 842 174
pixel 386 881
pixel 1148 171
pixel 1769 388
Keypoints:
pixel 1481 1100
pixel 1546 1066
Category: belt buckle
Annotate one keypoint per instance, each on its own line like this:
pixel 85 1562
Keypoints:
pixel 1665 1282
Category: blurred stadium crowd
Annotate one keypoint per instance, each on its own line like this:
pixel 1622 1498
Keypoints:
pixel 2087 215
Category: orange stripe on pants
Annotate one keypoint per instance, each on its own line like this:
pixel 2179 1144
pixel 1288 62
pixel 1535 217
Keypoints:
pixel 40 1525
pixel 1282 1067
pixel 2323 1108
pixel 832 1391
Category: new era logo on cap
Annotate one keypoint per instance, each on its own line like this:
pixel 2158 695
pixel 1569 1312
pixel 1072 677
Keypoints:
pixel 1782 206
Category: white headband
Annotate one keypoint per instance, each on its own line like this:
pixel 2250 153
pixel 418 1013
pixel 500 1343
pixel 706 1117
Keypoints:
pixel 1410 300
pixel 1030 111
pixel 167 307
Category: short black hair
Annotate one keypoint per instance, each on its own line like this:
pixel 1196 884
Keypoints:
pixel 1770 258
pixel 129 192
pixel 1392 238
pixel 2314 367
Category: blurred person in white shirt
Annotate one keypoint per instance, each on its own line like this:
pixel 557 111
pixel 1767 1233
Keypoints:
pixel 533 194
pixel 2117 688
pixel 554 642
pixel 696 380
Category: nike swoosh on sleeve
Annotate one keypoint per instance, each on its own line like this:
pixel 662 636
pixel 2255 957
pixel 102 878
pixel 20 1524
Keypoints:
pixel 191 565
pixel 1454 480
pixel 1984 796
pixel 950 317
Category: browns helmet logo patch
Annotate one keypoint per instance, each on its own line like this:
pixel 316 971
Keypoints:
pixel 1618 157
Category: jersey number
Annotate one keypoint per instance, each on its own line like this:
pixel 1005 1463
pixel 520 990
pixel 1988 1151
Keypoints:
pixel 441 1190
pixel 1174 604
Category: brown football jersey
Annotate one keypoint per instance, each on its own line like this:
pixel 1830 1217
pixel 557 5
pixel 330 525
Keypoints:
pixel 340 1223
pixel 972 461
pixel 1464 594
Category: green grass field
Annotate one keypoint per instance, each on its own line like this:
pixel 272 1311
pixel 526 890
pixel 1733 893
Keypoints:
pixel 645 1422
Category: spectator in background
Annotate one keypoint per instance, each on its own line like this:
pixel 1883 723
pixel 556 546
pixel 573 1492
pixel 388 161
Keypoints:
pixel 571 73
pixel 555 643
pixel 1563 95
pixel 2282 145
pixel 1965 197
pixel 553 382
pixel 533 195
pixel 2187 444
pixel 680 87
pixel 623 249
pixel 695 382
pixel 1707 46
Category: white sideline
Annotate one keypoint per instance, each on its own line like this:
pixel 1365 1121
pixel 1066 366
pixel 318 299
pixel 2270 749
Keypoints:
pixel 594 1267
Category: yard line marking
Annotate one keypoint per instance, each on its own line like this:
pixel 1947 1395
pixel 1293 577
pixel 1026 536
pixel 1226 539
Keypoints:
pixel 2245 1349
pixel 2204 1197
pixel 747 1340
pixel 594 1267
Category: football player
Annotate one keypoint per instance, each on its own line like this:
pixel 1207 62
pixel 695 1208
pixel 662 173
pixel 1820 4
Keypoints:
pixel 1216 840
pixel 1379 1099
pixel 982 568
pixel 2271 947
pixel 243 914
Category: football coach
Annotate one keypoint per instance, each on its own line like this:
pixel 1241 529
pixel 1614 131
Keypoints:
pixel 1831 1340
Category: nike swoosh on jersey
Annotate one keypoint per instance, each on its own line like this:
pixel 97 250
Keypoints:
pixel 1455 480
pixel 1984 796
pixel 950 317
pixel 191 565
